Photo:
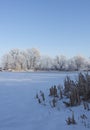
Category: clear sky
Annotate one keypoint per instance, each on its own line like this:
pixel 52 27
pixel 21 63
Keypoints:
pixel 53 26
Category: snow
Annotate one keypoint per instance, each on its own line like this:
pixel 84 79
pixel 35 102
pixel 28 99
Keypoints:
pixel 19 109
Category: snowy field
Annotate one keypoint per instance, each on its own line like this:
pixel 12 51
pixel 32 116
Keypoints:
pixel 19 110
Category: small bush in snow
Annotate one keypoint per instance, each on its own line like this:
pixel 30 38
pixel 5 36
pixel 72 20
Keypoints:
pixel 41 98
pixel 77 90
pixel 71 120
pixel 86 106
pixel 42 95
pixel 39 101
pixel 53 91
pixel 54 102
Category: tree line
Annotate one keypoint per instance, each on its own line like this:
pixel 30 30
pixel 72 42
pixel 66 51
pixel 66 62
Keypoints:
pixel 31 59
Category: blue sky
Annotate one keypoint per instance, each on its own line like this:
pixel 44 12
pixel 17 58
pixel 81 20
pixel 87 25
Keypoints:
pixel 53 26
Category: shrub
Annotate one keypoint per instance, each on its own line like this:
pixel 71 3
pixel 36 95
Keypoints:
pixel 77 90
pixel 71 120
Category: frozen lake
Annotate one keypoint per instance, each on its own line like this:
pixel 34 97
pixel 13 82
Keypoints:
pixel 18 108
pixel 34 77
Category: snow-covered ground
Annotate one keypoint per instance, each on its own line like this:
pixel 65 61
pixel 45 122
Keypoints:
pixel 19 110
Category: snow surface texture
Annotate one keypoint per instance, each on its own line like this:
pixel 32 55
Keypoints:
pixel 19 110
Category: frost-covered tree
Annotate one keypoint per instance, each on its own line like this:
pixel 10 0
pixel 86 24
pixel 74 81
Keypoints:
pixel 79 62
pixel 71 64
pixel 87 64
pixel 14 53
pixel 6 61
pixel 46 63
pixel 60 62
pixel 22 61
pixel 32 58
pixel 13 60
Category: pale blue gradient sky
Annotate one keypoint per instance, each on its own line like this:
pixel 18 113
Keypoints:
pixel 53 26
